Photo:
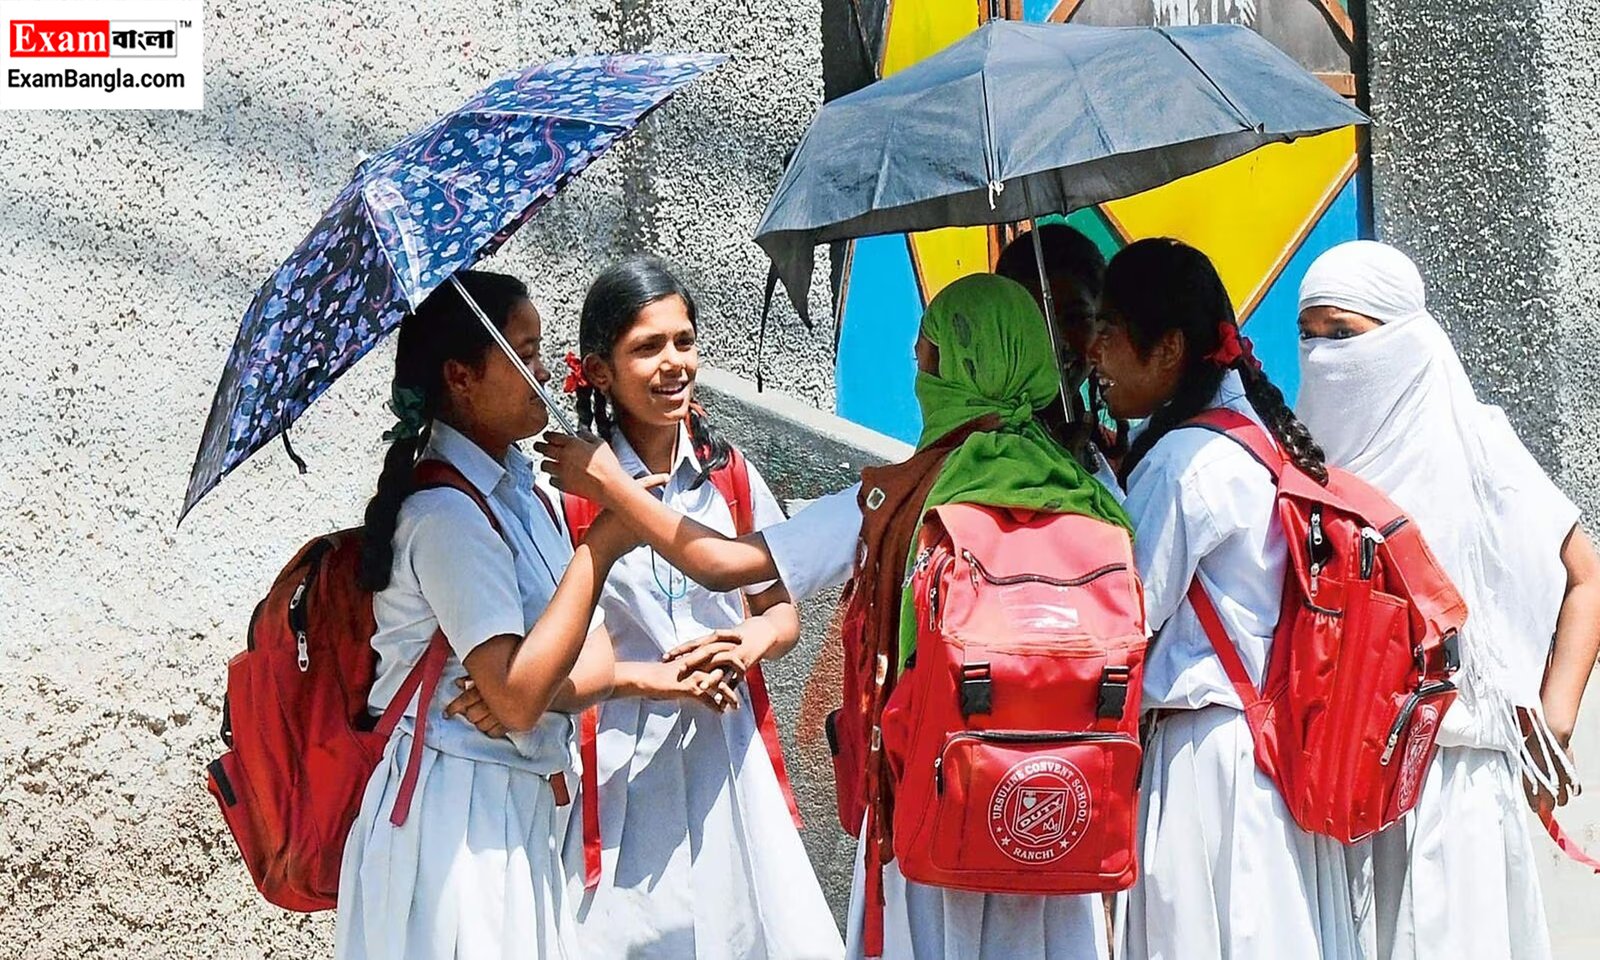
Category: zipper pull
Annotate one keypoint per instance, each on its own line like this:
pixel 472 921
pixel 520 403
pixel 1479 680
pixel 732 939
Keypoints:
pixel 1399 727
pixel 1370 539
pixel 972 567
pixel 1316 571
pixel 297 616
pixel 938 775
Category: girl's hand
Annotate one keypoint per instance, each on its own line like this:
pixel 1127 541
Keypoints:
pixel 1539 748
pixel 733 650
pixel 664 681
pixel 583 466
pixel 470 704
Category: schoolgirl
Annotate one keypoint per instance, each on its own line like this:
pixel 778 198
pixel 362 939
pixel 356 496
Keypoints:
pixel 985 370
pixel 700 855
pixel 1385 392
pixel 474 870
pixel 1225 870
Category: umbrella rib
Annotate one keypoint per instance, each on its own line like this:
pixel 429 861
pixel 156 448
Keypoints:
pixel 1220 92
pixel 366 211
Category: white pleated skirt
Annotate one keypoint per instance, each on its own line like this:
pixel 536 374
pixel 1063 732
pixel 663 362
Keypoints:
pixel 934 923
pixel 1456 880
pixel 1225 871
pixel 700 858
pixel 475 872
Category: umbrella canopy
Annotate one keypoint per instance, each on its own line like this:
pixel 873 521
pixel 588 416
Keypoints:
pixel 1020 120
pixel 413 216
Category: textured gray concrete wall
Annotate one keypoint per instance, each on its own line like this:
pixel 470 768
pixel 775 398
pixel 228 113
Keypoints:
pixel 129 246
pixel 1485 169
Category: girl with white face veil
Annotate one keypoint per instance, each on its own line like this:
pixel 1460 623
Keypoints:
pixel 1384 392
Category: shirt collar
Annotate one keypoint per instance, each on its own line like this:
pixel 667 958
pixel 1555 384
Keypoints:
pixel 631 462
pixel 481 470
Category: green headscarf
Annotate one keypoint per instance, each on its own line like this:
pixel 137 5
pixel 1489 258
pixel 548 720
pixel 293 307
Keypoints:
pixel 995 358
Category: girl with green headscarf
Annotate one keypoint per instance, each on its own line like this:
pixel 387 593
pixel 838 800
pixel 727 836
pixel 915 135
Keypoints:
pixel 985 370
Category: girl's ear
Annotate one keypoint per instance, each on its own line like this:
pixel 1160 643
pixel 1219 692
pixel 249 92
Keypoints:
pixel 597 372
pixel 459 379
pixel 1170 351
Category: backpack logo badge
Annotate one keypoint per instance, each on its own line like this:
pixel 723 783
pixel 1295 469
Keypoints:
pixel 1412 765
pixel 1040 810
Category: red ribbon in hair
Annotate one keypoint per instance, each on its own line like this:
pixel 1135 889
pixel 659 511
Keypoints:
pixel 575 375
pixel 1232 347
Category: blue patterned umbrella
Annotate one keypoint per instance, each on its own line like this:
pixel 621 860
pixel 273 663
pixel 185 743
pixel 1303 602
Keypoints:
pixel 434 204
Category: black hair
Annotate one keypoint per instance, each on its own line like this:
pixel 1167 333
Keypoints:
pixel 1068 255
pixel 443 328
pixel 1159 285
pixel 611 307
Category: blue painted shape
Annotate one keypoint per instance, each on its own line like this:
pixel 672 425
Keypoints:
pixel 1273 326
pixel 1038 11
pixel 876 372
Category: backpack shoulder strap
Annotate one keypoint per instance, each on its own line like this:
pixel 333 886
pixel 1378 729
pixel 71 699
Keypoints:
pixel 1243 431
pixel 425 674
pixel 433 474
pixel 732 480
pixel 1228 653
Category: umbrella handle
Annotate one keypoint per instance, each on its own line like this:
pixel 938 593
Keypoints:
pixel 566 424
pixel 1049 313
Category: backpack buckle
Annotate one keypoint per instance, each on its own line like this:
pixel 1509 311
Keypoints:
pixel 1113 691
pixel 1450 652
pixel 977 692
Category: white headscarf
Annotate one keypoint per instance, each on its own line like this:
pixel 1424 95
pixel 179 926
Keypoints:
pixel 1395 407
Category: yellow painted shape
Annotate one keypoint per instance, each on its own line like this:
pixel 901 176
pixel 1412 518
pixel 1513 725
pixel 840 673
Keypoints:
pixel 1248 215
pixel 919 29
pixel 944 256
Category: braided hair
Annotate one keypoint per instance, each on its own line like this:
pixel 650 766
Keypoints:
pixel 442 328
pixel 612 305
pixel 1158 285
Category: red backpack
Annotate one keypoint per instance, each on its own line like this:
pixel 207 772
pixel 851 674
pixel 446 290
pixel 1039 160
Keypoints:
pixel 1010 754
pixel 732 480
pixel 302 743
pixel 1358 678
pixel 1012 733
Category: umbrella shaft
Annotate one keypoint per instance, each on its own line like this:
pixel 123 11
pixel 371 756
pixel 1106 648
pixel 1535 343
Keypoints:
pixel 538 388
pixel 1050 315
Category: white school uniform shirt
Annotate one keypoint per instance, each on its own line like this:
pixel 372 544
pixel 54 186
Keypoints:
pixel 699 856
pixel 1201 504
pixel 452 571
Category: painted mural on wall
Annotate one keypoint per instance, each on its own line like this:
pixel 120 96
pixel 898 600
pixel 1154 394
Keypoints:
pixel 1262 218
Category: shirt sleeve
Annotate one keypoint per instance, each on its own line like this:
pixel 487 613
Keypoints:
pixel 816 548
pixel 1173 527
pixel 465 571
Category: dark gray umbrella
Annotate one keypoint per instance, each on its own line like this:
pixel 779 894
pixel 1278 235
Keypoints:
pixel 1021 120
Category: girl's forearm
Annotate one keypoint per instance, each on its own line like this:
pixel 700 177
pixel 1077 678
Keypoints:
pixel 1577 640
pixel 715 561
pixel 593 677
pixel 520 677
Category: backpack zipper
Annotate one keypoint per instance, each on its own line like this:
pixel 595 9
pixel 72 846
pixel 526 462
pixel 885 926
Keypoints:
pixel 1091 576
pixel 1394 526
pixel 297 617
pixel 1014 736
pixel 1426 690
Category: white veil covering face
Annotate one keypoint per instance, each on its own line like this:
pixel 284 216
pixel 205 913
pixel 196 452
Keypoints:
pixel 1394 406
